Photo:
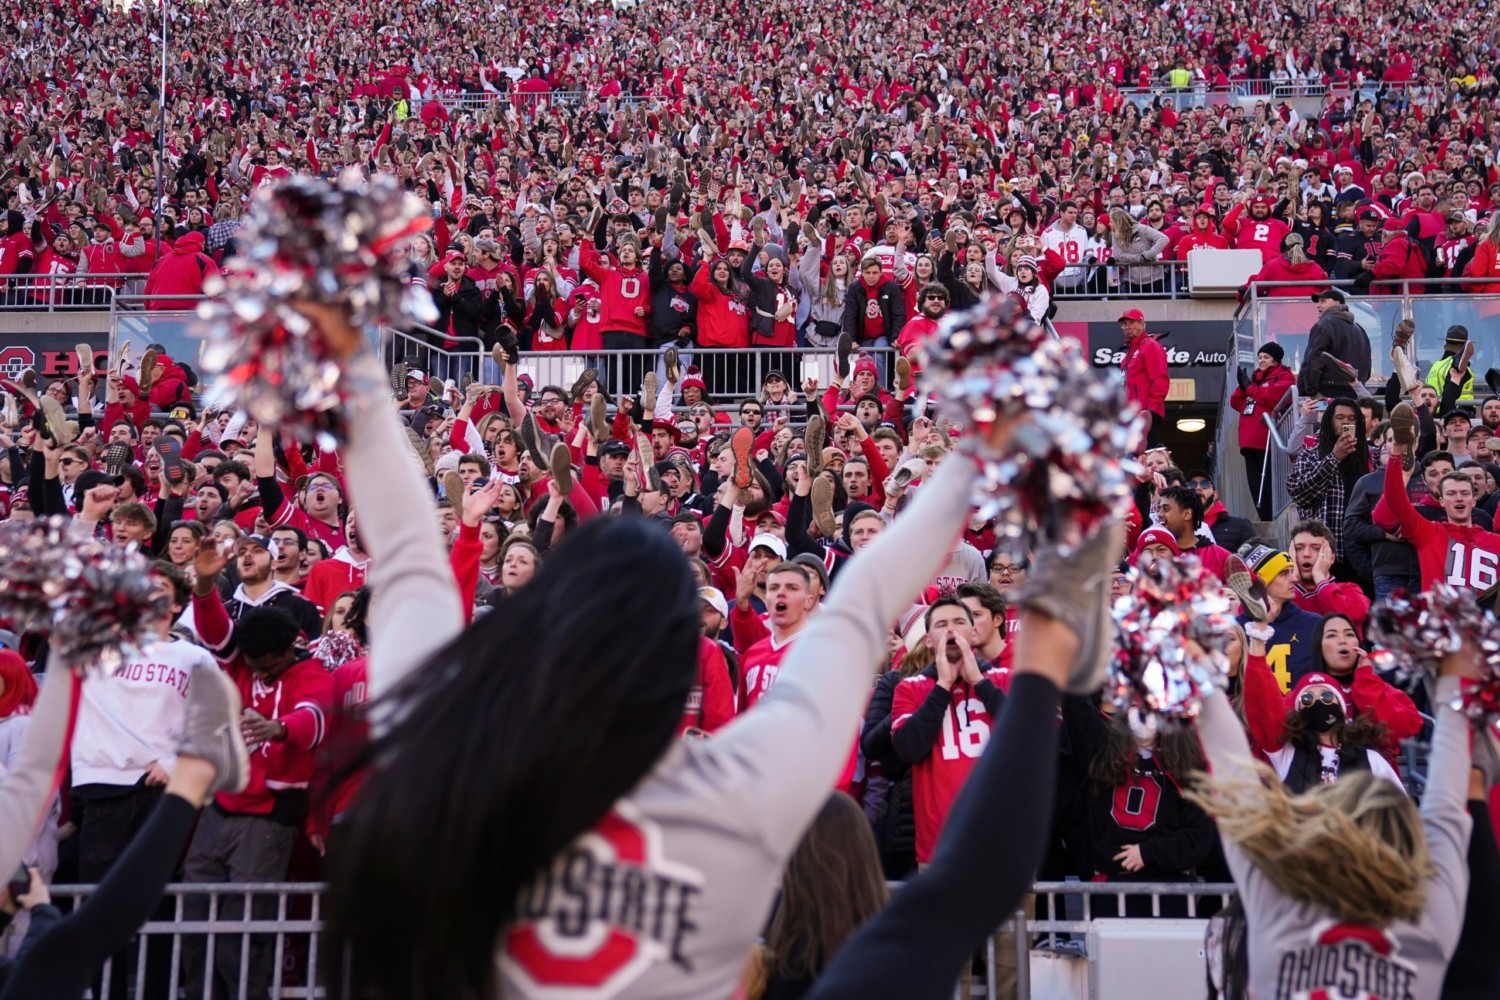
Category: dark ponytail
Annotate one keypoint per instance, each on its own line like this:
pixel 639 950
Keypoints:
pixel 508 744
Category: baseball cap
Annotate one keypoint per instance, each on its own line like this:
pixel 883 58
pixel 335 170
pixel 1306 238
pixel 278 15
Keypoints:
pixel 769 541
pixel 1329 293
pixel 815 564
pixel 1134 314
pixel 714 599
pixel 453 255
pixel 90 478
pixel 264 541
pixel 1369 215
pixel 416 373
pixel 616 449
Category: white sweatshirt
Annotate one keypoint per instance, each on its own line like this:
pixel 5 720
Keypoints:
pixel 133 717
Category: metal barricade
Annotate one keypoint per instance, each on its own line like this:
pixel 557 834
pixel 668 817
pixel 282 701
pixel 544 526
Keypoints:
pixel 284 932
pixel 65 292
pixel 1103 281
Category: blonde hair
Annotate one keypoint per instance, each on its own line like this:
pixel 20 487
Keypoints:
pixel 1122 223
pixel 1296 252
pixel 1355 847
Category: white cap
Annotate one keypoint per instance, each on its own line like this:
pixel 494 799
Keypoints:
pixel 769 541
pixel 714 599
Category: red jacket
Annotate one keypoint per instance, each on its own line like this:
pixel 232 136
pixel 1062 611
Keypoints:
pixel 1200 241
pixel 1266 390
pixel 1146 381
pixel 180 272
pixel 298 698
pixel 710 703
pixel 1484 264
pixel 1400 257
pixel 1333 598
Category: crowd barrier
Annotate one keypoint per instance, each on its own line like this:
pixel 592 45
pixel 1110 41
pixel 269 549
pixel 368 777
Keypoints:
pixel 56 292
pixel 1074 939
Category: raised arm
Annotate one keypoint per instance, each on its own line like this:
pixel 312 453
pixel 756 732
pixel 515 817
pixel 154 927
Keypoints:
pixel 28 786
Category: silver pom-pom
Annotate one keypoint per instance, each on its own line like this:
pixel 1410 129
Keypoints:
pixel 306 240
pixel 94 600
pixel 1068 466
pixel 1156 672
pixel 1412 635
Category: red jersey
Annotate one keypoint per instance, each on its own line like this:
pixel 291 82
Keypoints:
pixel 1458 555
pixel 13 249
pixel 758 669
pixel 1250 233
pixel 937 779
pixel 710 703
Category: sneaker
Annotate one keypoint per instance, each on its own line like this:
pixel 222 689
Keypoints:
pixel 648 395
pixel 1461 363
pixel 1492 379
pixel 116 457
pixel 148 369
pixel 647 459
pixel 398 379
pixel 1074 589
pixel 823 491
pixel 903 376
pixel 813 436
pixel 531 437
pixel 211 730
pixel 1339 369
pixel 508 347
pixel 1404 425
pixel 28 379
pixel 85 359
pixel 598 419
pixel 845 348
pixel 1406 372
pixel 454 490
pixel 673 368
pixel 1240 580
pixel 562 468
pixel 902 478
pixel 122 360
pixel 582 382
pixel 57 421
pixel 740 445
pixel 464 381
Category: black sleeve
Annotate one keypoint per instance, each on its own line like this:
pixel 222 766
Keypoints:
pixel 875 741
pixel 716 530
pixel 271 497
pixel 1392 392
pixel 542 537
pixel 1185 848
pixel 773 476
pixel 168 510
pixel 983 865
pixel 311 621
pixel 989 692
pixel 798 515
pixel 919 734
pixel 1426 431
pixel 1451 391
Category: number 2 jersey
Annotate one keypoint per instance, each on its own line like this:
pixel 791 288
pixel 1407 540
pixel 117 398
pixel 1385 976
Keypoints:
pixel 1458 555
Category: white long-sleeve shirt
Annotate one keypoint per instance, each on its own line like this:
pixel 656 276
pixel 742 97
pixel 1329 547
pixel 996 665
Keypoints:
pixel 133 717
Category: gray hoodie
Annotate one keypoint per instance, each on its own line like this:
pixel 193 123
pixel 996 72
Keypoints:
pixel 1298 950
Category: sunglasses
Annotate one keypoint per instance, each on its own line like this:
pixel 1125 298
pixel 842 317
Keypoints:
pixel 68 461
pixel 1200 484
pixel 1309 698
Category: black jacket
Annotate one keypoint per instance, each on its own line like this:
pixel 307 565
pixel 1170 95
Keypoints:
pixel 463 308
pixel 892 302
pixel 900 831
pixel 1350 250
pixel 674 313
pixel 1230 531
pixel 1338 334
pixel 1365 545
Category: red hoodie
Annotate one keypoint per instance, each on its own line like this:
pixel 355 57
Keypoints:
pixel 1281 269
pixel 180 272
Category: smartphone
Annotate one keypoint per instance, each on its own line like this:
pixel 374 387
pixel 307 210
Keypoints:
pixel 1320 405
pixel 20 882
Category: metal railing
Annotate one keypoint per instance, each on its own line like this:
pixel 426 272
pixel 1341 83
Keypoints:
pixel 55 292
pixel 1104 280
pixel 280 943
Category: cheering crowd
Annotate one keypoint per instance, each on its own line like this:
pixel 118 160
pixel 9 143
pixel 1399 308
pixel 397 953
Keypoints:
pixel 843 618
pixel 979 163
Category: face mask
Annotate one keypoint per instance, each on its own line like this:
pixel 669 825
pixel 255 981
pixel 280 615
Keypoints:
pixel 1320 718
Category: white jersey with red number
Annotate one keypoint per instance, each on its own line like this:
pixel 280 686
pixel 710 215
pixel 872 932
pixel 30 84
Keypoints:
pixel 1072 245
pixel 939 777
